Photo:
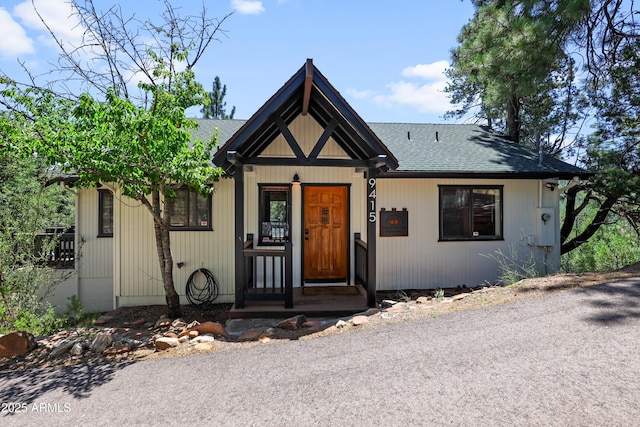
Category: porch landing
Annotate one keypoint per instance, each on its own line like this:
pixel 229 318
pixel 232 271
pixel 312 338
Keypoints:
pixel 309 305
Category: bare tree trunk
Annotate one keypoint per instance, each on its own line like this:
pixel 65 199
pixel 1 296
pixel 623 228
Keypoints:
pixel 163 244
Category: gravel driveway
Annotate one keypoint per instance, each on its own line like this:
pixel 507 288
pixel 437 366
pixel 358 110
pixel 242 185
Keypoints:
pixel 569 358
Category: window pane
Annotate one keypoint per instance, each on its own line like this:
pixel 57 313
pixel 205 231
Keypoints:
pixel 179 209
pixel 470 212
pixel 106 213
pixel 485 207
pixel 198 210
pixel 455 212
pixel 274 214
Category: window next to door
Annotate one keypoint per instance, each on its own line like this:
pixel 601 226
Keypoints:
pixel 190 211
pixel 470 212
pixel 275 213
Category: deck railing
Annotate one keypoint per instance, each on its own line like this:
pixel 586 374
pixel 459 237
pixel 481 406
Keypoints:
pixel 360 261
pixel 268 273
pixel 61 254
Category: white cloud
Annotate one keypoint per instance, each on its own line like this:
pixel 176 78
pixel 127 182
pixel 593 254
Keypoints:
pixel 59 16
pixel 13 39
pixel 425 96
pixel 248 7
pixel 434 71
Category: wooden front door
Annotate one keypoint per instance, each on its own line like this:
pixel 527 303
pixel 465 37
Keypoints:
pixel 325 233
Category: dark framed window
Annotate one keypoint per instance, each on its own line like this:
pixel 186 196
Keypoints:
pixel 470 212
pixel 105 213
pixel 190 211
pixel 275 214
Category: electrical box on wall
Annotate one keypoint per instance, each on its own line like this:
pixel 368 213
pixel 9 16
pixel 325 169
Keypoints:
pixel 545 227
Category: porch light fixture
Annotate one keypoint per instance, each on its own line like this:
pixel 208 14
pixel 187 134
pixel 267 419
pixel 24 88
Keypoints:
pixel 296 179
pixel 551 185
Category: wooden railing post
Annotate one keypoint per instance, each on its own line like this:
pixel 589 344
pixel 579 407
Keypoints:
pixel 288 275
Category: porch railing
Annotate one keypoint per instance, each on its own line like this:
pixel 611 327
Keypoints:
pixel 360 261
pixel 268 274
pixel 62 254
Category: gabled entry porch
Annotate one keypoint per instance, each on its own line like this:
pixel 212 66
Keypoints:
pixel 292 231
pixel 268 292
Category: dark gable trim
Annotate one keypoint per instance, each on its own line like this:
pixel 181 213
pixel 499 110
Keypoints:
pixel 307 91
pixel 483 175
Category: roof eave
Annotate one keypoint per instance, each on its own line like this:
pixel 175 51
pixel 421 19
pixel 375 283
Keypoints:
pixel 485 174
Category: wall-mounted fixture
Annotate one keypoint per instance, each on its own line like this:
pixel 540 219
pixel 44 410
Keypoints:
pixel 545 217
pixel 296 179
pixel 551 185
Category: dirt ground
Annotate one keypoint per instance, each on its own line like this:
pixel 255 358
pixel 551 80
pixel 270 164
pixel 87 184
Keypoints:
pixel 412 304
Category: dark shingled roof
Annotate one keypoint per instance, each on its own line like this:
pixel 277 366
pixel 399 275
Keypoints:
pixel 460 150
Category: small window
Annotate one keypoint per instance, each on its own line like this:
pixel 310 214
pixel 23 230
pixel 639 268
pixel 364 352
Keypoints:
pixel 470 213
pixel 275 214
pixel 190 211
pixel 105 213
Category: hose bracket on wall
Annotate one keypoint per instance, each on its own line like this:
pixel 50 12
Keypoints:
pixel 202 292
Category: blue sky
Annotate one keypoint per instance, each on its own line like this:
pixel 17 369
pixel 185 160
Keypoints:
pixel 386 58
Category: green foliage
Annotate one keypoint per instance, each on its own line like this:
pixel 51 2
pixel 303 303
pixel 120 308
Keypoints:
pixel 513 267
pixel 214 105
pixel 27 208
pixel 75 314
pixel 511 57
pixel 613 246
pixel 438 293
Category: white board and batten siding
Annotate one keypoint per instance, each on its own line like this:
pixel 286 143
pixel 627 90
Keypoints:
pixel 421 261
pixel 140 281
pixel 95 260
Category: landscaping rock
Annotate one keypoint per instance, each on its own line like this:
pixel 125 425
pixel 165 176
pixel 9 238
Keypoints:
pixel 192 324
pixel 62 348
pixel 423 299
pixel 103 319
pixel 341 324
pixel 119 348
pixel 203 338
pixel 388 303
pixel 138 322
pixel 164 343
pixel 101 342
pixel 17 343
pixel 77 348
pixel 162 322
pixel 359 320
pixel 214 328
pixel 170 335
pixel 292 323
pixel 178 324
pixel 458 297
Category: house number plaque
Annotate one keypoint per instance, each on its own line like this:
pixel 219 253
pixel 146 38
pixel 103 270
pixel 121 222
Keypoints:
pixel 371 200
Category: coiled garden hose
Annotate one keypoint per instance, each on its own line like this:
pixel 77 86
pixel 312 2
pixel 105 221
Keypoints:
pixel 202 293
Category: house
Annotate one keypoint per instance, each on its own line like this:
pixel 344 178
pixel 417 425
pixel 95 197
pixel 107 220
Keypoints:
pixel 313 194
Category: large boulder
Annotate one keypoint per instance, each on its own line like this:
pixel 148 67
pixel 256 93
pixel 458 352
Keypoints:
pixel 17 343
pixel 214 328
pixel 292 323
